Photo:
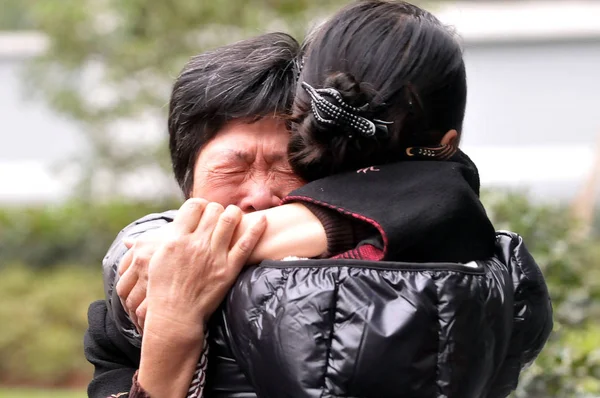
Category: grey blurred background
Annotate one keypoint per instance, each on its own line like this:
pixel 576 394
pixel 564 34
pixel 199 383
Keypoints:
pixel 534 100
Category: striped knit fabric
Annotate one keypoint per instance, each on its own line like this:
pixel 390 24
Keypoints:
pixel 199 379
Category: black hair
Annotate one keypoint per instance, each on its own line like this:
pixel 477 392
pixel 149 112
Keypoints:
pixel 395 57
pixel 247 80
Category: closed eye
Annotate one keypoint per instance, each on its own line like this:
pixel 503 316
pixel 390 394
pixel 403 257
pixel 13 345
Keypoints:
pixel 229 171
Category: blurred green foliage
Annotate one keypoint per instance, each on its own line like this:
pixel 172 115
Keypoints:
pixel 50 271
pixel 43 317
pixel 569 366
pixel 74 233
pixel 15 15
pixel 40 393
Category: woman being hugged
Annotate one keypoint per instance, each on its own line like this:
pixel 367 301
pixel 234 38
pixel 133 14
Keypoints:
pixel 415 294
pixel 427 300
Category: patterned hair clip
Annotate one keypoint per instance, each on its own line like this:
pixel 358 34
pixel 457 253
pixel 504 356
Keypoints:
pixel 339 113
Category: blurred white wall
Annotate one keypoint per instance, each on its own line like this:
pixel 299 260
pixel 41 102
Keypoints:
pixel 533 114
pixel 33 138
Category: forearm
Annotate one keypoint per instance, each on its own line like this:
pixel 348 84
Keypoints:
pixel 169 358
pixel 292 230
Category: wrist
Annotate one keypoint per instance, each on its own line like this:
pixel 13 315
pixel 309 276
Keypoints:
pixel 169 328
pixel 338 229
pixel 169 356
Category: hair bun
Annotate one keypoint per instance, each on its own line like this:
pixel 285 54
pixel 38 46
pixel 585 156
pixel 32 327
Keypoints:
pixel 320 146
pixel 353 92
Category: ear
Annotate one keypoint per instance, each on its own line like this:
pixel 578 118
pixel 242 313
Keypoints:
pixel 450 138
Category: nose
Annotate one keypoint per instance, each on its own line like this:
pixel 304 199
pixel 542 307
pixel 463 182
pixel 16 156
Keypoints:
pixel 259 197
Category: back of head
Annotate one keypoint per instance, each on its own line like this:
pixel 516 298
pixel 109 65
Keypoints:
pixel 246 80
pixel 396 63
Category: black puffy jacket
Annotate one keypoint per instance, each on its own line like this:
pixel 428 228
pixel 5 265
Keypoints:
pixel 356 328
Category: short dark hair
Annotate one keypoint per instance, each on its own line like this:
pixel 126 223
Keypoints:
pixel 394 56
pixel 249 79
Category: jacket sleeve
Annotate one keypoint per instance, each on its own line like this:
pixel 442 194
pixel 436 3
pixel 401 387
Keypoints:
pixel 532 319
pixel 115 360
pixel 110 266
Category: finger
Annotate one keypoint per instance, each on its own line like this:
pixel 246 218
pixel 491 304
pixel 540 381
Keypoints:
pixel 125 262
pixel 133 302
pixel 240 252
pixel 135 298
pixel 128 242
pixel 189 215
pixel 209 218
pixel 225 228
pixel 124 287
pixel 141 314
pixel 134 320
pixel 126 283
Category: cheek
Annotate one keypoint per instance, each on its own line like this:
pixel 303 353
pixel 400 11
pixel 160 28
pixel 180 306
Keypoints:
pixel 223 191
pixel 288 183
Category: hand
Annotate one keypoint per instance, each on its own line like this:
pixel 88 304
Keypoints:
pixel 189 276
pixel 133 270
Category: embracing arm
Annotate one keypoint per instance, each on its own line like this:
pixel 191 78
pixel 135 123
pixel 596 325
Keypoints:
pixel 112 343
pixel 292 230
pixel 116 361
pixel 301 230
pixel 170 353
pixel 188 275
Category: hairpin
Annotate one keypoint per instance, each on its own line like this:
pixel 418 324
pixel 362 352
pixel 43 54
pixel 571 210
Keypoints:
pixel 339 113
pixel 298 65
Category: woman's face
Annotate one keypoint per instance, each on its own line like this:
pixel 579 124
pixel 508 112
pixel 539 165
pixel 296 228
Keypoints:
pixel 246 165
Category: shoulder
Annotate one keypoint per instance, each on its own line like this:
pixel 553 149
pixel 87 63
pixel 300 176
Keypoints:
pixel 117 250
pixel 138 227
pixel 533 307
